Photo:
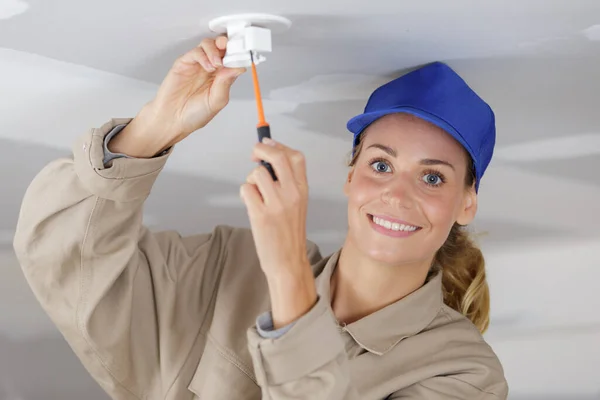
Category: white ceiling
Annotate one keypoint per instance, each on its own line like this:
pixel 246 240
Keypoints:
pixel 68 65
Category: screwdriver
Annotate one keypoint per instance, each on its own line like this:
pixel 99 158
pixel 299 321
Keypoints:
pixel 263 128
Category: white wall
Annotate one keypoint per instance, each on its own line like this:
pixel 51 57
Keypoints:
pixel 545 300
pixel 545 291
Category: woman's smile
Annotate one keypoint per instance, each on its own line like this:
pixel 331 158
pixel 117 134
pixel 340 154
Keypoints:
pixel 391 226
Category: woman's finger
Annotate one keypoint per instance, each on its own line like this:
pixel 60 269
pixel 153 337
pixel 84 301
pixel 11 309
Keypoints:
pixel 296 160
pixel 212 52
pixel 266 186
pixel 197 56
pixel 221 43
pixel 278 159
pixel 298 163
pixel 252 199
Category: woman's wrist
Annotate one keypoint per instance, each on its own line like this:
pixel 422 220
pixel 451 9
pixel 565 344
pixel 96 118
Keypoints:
pixel 144 137
pixel 293 293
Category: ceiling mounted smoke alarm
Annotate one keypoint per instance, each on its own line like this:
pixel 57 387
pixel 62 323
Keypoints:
pixel 248 33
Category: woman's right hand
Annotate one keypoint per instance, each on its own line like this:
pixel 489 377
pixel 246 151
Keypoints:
pixel 195 89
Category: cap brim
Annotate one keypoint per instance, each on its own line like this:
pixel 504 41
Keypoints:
pixel 359 123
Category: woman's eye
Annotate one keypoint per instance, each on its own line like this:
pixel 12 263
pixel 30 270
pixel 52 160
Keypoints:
pixel 432 179
pixel 381 167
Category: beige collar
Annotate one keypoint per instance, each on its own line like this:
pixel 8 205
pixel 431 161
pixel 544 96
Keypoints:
pixel 380 331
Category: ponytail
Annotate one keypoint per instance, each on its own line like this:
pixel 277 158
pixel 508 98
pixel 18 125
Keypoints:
pixel 464 284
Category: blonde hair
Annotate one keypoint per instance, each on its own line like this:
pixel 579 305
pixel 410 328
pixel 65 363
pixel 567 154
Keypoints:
pixel 464 282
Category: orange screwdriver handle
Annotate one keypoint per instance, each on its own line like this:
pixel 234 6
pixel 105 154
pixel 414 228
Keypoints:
pixel 263 129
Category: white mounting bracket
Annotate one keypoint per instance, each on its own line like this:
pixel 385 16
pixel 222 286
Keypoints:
pixel 248 33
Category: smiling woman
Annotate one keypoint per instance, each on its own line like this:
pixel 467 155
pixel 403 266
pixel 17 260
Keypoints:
pixel 463 272
pixel 396 313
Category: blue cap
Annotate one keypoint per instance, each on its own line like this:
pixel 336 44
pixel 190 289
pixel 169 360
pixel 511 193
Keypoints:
pixel 439 95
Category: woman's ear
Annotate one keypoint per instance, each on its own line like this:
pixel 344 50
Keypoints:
pixel 468 207
pixel 348 181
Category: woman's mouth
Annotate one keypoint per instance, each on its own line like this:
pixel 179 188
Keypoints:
pixel 392 227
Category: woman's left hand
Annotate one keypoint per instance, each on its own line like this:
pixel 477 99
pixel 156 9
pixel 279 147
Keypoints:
pixel 277 212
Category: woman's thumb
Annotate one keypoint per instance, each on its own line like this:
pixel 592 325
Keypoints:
pixel 222 86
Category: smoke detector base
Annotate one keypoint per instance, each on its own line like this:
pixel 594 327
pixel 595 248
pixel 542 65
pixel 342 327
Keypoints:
pixel 248 33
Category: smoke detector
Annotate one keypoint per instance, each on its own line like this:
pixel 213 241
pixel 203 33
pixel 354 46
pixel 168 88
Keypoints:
pixel 248 33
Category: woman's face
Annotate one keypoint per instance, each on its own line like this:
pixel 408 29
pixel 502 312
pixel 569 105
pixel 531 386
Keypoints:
pixel 406 190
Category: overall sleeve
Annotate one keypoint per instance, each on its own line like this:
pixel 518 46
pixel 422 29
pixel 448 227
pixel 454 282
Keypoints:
pixel 307 362
pixel 129 302
pixel 452 387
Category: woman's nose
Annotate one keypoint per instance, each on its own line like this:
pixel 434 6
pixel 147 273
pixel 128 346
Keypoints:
pixel 399 193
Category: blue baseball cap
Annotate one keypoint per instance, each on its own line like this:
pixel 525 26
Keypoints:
pixel 439 95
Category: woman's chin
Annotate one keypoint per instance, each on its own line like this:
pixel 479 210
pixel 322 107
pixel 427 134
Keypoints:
pixel 386 251
pixel 389 256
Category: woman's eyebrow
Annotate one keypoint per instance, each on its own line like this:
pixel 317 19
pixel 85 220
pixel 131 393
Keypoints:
pixel 431 161
pixel 392 152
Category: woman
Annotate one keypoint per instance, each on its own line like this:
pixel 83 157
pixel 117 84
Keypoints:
pixel 159 316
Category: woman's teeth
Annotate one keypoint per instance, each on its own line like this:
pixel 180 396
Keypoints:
pixel 394 226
